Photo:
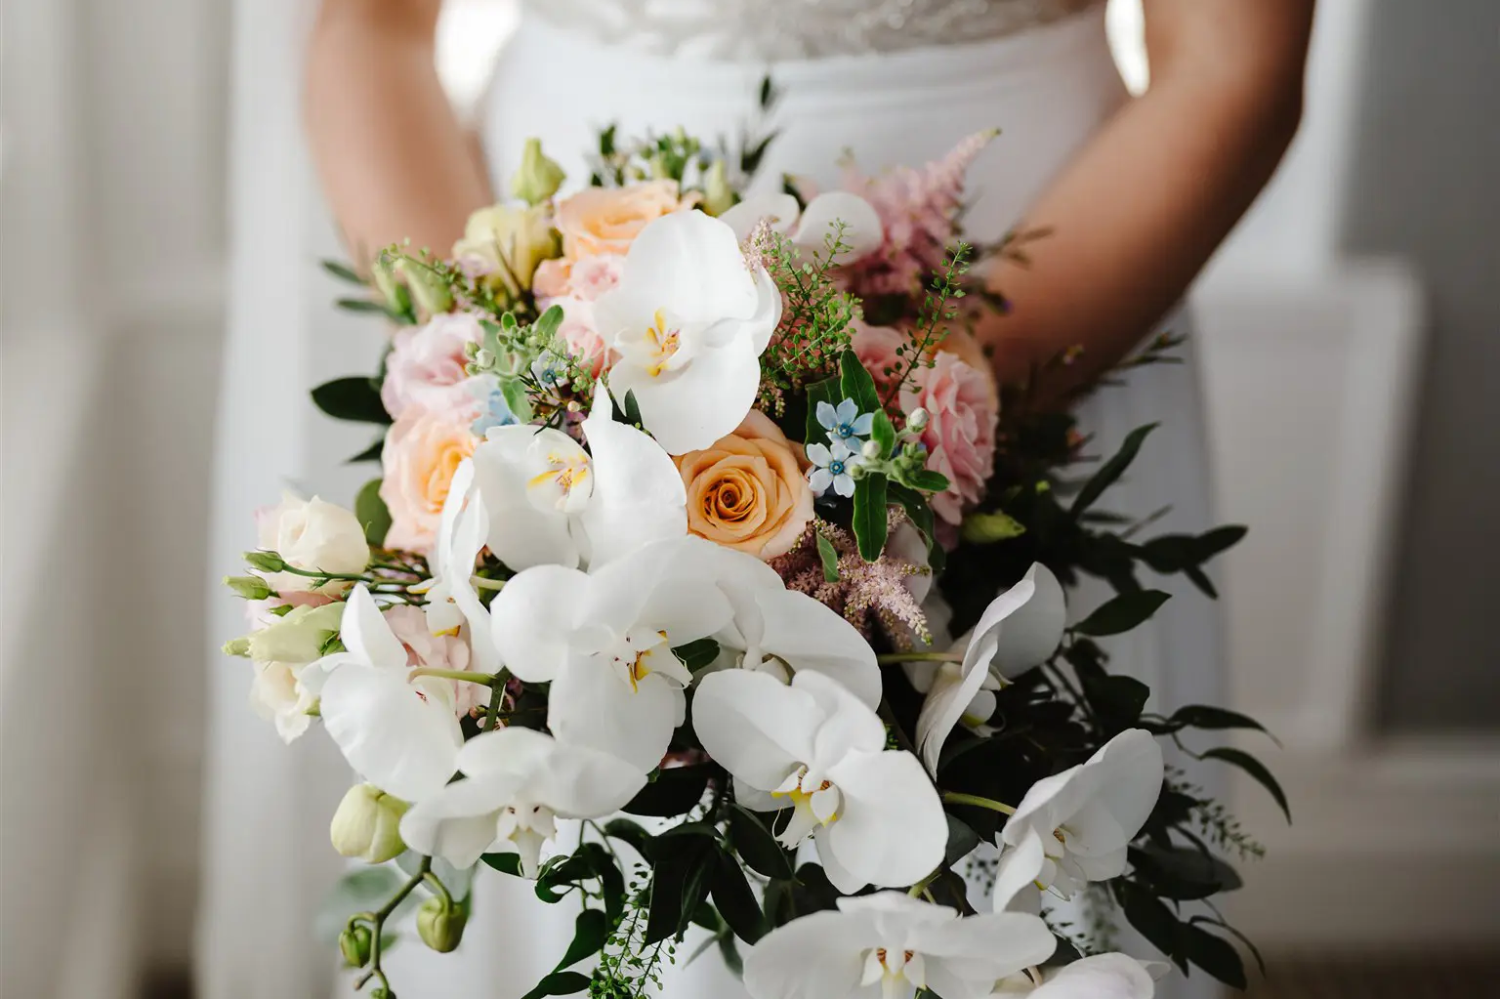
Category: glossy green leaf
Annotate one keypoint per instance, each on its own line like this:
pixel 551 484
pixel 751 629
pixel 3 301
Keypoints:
pixel 870 522
pixel 1124 612
pixel 371 512
pixel 1256 769
pixel 1111 470
pixel 355 398
pixel 830 559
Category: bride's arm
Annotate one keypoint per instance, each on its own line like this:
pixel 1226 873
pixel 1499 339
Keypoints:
pixel 1146 203
pixel 393 158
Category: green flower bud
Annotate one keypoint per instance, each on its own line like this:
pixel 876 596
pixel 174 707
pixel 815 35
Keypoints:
pixel 249 587
pixel 265 561
pixel 367 825
pixel 392 292
pixel 354 944
pixel 538 178
pixel 428 289
pixel 299 636
pixel 984 528
pixel 718 196
pixel 440 924
pixel 237 647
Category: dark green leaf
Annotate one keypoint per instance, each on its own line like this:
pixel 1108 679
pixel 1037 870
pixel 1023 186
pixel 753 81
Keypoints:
pixel 697 655
pixel 631 409
pixel 354 398
pixel 1183 872
pixel 749 835
pixel 928 481
pixel 1200 579
pixel 1124 612
pixel 1244 940
pixel 631 832
pixel 371 512
pixel 505 863
pixel 1111 470
pixel 919 512
pixel 730 952
pixel 371 453
pixel 1148 915
pixel 734 899
pixel 561 983
pixel 1254 768
pixel 343 272
pixel 870 523
pixel 827 391
pixel 1206 717
pixel 516 398
pixel 1118 700
pixel 590 930
pixel 882 432
pixel 830 558
pixel 673 792
pixel 1213 954
pixel 856 383
pixel 962 840
pixel 361 305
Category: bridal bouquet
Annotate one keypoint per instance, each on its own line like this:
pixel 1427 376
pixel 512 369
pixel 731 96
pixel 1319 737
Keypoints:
pixel 649 606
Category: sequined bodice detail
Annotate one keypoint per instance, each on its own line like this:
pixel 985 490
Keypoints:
pixel 775 30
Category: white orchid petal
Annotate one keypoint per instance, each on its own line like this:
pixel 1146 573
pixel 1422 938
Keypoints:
pixel 1103 976
pixel 779 210
pixel 965 957
pixel 862 232
pixel 365 633
pixel 1018 869
pixel 1031 633
pixel 521 534
pixel 638 493
pixel 591 706
pixel 848 723
pixel 818 956
pixel 754 726
pixel 532 617
pixel 581 783
pixel 891 831
pixel 690 408
pixel 1133 763
pixel 458 822
pixel 809 635
pixel 512 751
pixel 394 738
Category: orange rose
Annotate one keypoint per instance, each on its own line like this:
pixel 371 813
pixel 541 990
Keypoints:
pixel 422 451
pixel 603 220
pixel 747 490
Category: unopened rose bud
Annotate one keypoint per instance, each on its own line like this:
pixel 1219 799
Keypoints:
pixel 718 196
pixel 354 944
pixel 249 587
pixel 428 289
pixel 367 825
pixel 440 923
pixel 392 291
pixel 265 561
pixel 871 450
pixel 918 418
pixel 538 178
pixel 237 647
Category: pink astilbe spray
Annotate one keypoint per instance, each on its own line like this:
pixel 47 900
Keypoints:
pixel 869 595
pixel 919 209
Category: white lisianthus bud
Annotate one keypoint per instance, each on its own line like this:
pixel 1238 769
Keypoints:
pixel 718 196
pixel 249 587
pixel 917 419
pixel 508 242
pixel 539 177
pixel 297 637
pixel 871 450
pixel 428 289
pixel 367 825
pixel 311 535
pixel 392 292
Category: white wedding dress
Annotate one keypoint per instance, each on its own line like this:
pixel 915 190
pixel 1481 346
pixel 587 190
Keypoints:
pixel 892 81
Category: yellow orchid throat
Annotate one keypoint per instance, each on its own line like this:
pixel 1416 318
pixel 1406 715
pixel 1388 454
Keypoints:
pixel 664 343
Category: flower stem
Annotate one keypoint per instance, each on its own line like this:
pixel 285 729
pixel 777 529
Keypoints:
pixel 465 676
pixel 959 798
pixel 497 695
pixel 919 657
pixel 377 920
pixel 485 583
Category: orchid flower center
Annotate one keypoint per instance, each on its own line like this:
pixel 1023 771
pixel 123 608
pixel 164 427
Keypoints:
pixel 640 652
pixel 815 802
pixel 528 826
pixel 564 481
pixel 895 970
pixel 663 340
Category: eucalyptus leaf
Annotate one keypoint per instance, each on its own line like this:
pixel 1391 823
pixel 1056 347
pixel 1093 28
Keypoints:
pixel 1256 769
pixel 1111 470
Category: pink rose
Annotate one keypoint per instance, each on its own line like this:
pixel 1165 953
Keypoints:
pixel 422 451
pixel 593 276
pixel 426 365
pixel 875 346
pixel 578 331
pixel 601 221
pixel 445 651
pixel 960 431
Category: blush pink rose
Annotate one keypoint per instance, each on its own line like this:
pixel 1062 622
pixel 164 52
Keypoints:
pixel 580 333
pixel 875 346
pixel 593 276
pixel 445 651
pixel 426 364
pixel 960 431
pixel 422 451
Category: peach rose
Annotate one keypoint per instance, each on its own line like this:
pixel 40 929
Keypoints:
pixel 601 221
pixel 747 490
pixel 960 431
pixel 422 451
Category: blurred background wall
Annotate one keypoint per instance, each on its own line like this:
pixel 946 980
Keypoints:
pixel 1350 347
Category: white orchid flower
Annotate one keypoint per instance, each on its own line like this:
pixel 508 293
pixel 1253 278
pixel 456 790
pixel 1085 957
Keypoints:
pixel 1074 827
pixel 781 631
pixel 518 782
pixel 809 228
pixel 398 733
pixel 550 502
pixel 1103 976
pixel 690 321
pixel 901 944
pixel 451 598
pixel 1020 629
pixel 815 748
pixel 604 641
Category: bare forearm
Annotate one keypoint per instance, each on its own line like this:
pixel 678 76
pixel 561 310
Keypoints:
pixel 1143 207
pixel 393 158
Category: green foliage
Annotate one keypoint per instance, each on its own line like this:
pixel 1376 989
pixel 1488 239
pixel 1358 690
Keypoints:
pixel 370 510
pixel 1255 768
pixel 697 655
pixel 815 319
pixel 931 328
pixel 355 398
pixel 1111 470
pixel 870 520
pixel 829 557
pixel 671 792
pixel 1125 612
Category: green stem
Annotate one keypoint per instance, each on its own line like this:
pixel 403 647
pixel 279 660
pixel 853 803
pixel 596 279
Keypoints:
pixel 319 574
pixel 377 920
pixel 889 717
pixel 887 658
pixel 497 686
pixel 485 583
pixel 465 676
pixel 959 798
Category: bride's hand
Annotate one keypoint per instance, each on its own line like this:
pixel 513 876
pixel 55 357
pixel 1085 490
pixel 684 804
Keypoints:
pixel 394 160
pixel 1145 204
